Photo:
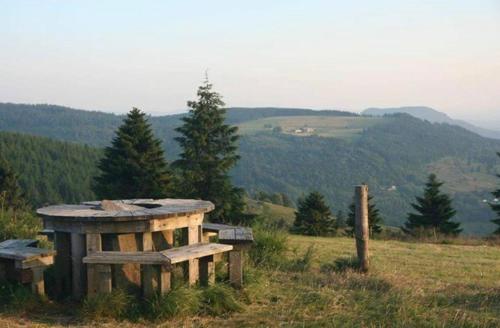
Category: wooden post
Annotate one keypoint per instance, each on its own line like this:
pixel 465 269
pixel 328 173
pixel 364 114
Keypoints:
pixel 149 277
pixel 63 264
pixel 165 279
pixel 77 253
pixel 103 272
pixel 37 284
pixel 361 226
pixel 236 268
pixel 207 270
pixel 194 237
pixel 94 244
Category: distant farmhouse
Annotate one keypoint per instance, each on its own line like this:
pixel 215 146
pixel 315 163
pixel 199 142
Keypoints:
pixel 303 130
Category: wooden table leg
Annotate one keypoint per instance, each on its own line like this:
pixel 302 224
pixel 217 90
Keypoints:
pixel 78 269
pixel 94 244
pixel 63 264
pixel 207 270
pixel 38 284
pixel 194 237
pixel 165 279
pixel 103 272
pixel 236 268
pixel 149 276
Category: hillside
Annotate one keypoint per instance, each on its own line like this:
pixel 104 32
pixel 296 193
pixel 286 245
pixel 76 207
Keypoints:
pixel 393 154
pixel 50 171
pixel 433 116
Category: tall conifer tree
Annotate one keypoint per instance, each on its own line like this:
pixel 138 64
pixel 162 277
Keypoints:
pixel 374 218
pixel 313 216
pixel 134 166
pixel 209 151
pixel 435 211
pixel 496 208
pixel 11 195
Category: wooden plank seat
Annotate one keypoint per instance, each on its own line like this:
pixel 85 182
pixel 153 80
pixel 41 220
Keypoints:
pixel 240 237
pixel 228 234
pixel 21 262
pixel 158 264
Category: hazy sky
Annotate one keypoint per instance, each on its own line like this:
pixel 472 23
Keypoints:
pixel 112 55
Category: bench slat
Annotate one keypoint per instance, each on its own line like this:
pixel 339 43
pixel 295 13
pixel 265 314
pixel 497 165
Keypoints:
pixel 230 234
pixel 169 256
pixel 18 243
pixel 191 252
pixel 153 258
pixel 24 253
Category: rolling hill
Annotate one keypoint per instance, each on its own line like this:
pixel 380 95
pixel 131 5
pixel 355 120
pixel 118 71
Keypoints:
pixel 333 152
pixel 433 116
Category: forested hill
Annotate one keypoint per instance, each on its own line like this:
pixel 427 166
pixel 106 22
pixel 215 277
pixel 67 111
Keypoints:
pixel 50 171
pixel 327 151
pixel 97 128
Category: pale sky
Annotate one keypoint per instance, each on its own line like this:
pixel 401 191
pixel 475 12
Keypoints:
pixel 112 55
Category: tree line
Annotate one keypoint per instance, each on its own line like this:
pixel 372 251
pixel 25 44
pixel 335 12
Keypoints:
pixel 433 214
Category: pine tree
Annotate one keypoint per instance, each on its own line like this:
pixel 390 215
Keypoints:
pixel 341 220
pixel 434 211
pixel 134 166
pixel 209 151
pixel 496 208
pixel 374 218
pixel 11 196
pixel 313 216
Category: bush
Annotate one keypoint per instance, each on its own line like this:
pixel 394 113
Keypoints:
pixel 18 298
pixel 183 301
pixel 18 224
pixel 180 301
pixel 116 305
pixel 269 246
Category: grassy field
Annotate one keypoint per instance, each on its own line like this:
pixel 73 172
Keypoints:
pixel 409 285
pixel 326 126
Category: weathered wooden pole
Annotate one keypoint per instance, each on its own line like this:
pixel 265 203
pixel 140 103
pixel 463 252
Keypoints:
pixel 361 226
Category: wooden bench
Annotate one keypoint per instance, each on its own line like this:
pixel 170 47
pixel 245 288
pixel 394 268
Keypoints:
pixel 156 273
pixel 22 261
pixel 241 238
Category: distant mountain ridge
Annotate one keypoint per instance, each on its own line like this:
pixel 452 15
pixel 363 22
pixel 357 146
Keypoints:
pixel 433 116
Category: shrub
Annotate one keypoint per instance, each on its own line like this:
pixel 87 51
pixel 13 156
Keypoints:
pixel 18 298
pixel 180 301
pixel 18 224
pixel 269 246
pixel 117 304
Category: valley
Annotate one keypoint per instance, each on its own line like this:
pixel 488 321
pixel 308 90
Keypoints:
pixel 393 154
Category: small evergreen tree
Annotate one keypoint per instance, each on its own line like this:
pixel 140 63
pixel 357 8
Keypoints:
pixel 134 166
pixel 11 196
pixel 435 211
pixel 313 216
pixel 341 220
pixel 374 218
pixel 496 208
pixel 209 151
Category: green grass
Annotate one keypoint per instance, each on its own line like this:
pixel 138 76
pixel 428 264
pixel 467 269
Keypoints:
pixel 325 126
pixel 409 285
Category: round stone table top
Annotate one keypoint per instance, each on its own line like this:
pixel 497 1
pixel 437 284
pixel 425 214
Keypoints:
pixel 126 210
